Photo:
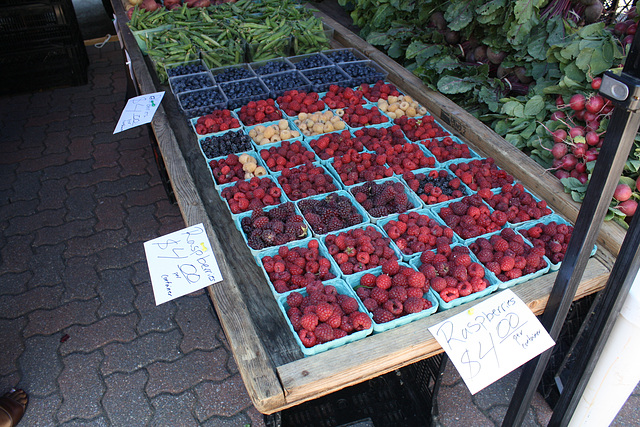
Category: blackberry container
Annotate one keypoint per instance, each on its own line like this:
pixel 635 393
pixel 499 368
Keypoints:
pixel 323 197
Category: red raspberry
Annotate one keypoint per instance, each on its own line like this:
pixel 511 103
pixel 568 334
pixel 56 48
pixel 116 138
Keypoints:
pixel 324 333
pixel 383 281
pixel 399 293
pixel 379 295
pixel 449 294
pixel 390 267
pixel 309 321
pixel 438 284
pixel 393 306
pixel 417 280
pixel 368 280
pixel 500 244
pixel 465 288
pixel 308 338
pixel 294 299
pixel 415 292
pixel 360 320
pixel 413 305
pixel 380 315
pixel 349 305
pixel 507 263
pixel 324 310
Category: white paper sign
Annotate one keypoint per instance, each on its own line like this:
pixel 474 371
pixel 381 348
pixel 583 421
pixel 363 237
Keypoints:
pixel 491 339
pixel 139 111
pixel 180 263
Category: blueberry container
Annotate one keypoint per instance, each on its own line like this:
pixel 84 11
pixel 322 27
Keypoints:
pixel 330 180
pixel 339 56
pixel 190 82
pixel 322 78
pixel 271 66
pixel 363 72
pixel 354 280
pixel 240 92
pixel 412 198
pixel 342 195
pixel 233 141
pixel 280 83
pixel 309 61
pixel 232 73
pixel 273 251
pixel 201 102
pixel 184 68
pixel 343 288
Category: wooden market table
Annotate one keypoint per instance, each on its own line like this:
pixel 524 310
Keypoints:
pixel 273 368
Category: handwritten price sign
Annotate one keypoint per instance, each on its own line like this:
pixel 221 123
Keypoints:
pixel 491 339
pixel 139 111
pixel 180 263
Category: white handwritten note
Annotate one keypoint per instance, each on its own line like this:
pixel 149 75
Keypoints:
pixel 139 111
pixel 180 263
pixel 491 339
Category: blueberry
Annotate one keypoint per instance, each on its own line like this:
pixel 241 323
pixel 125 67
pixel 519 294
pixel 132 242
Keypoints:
pixel 339 56
pixel 314 61
pixel 322 77
pixel 241 91
pixel 233 73
pixel 361 72
pixel 181 70
pixel 201 102
pixel 227 143
pixel 285 81
pixel 271 67
pixel 191 82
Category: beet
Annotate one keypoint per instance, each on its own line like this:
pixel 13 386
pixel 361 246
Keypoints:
pixel 480 53
pixel 438 21
pixel 452 37
pixel 495 57
pixel 593 12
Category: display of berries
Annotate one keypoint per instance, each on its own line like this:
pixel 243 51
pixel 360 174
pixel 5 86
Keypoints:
pixel 354 167
pixel 331 213
pixel 383 198
pixel 414 232
pixel 553 236
pixel 286 154
pixel 518 204
pixel 452 273
pixel 294 102
pixel 436 186
pixel 306 180
pixel 334 144
pixel 218 121
pixel 274 226
pixel 379 90
pixel 481 173
pixel 401 106
pixel 406 157
pixel 359 116
pixel 447 148
pixel 342 97
pixel 235 168
pixel 261 111
pixel 362 72
pixel 227 143
pixel 319 123
pixel 359 249
pixel 395 291
pixel 296 267
pixel 269 133
pixel 421 128
pixel 374 138
pixel 255 193
pixel 470 217
pixel 508 256
pixel 324 315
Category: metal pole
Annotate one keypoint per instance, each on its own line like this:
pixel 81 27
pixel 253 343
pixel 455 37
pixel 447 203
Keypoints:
pixel 618 141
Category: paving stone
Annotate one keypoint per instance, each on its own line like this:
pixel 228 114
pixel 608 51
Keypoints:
pixel 141 352
pixel 106 155
pixel 541 410
pixel 116 292
pixel 457 408
pixel 186 372
pixel 499 392
pixel 68 169
pixel 110 213
pixel 56 143
pixel 240 419
pixel 29 223
pixel 498 412
pixel 47 265
pixel 40 365
pixel 21 155
pixel 134 162
pixel 12 347
pixel 93 243
pixel 104 112
pixel 121 186
pixel 146 197
pixel 80 204
pixel 125 402
pixel 80 279
pixel 173 411
pixel 198 324
pixel 52 194
pixel 58 115
pixel 69 232
pixel 223 399
pixel 17 208
pixel 33 136
pixel 95 422
pixel 170 224
pixel 81 117
pixel 7 382
pixel 14 306
pixel 164 208
pixel 152 317
pixel 41 410
pixel 91 128
pixel 27 185
pixel 96 335
pixel 119 257
pixel 43 162
pixel 81 387
pixel 80 148
pixel 93 177
pixel 140 228
pixel 46 322
pixel 257 419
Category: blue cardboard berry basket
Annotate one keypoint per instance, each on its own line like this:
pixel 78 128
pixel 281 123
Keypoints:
pixel 260 91
pixel 406 257
pixel 536 198
pixel 336 174
pixel 343 288
pixel 365 71
pixel 319 80
pixel 324 158
pixel 282 82
pixel 251 153
pixel 334 181
pixel 413 199
pixel 354 281
pixel 427 154
pixel 237 112
pixel 309 60
pixel 340 193
pixel 221 188
pixel 194 120
pixel 195 103
pixel 547 220
pixel 203 138
pixel 492 286
pixel 272 251
pixel 195 81
pixel 339 56
pixel 262 148
pixel 263 68
pixel 437 208
pixel 363 226
pixel 512 282
pixel 385 120
pixel 231 73
pixel 482 160
pixel 456 140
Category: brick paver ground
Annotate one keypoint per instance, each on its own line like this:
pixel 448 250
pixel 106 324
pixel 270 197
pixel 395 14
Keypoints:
pixel 80 329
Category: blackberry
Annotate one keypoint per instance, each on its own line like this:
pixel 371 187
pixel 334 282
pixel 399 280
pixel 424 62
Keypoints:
pixel 229 142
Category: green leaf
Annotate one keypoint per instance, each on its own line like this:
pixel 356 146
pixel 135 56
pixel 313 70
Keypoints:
pixel 513 108
pixel 577 196
pixel 574 73
pixel 489 8
pixel 422 51
pixel 584 59
pixel 534 105
pixel 570 51
pixel 591 30
pixel 459 14
pixel 378 39
pixel 453 85
pixel 501 127
pixel 395 50
pixel 598 63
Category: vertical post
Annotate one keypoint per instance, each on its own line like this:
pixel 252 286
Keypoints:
pixel 618 141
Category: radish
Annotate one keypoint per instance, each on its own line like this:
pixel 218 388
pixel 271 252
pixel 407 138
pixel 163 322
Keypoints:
pixel 568 162
pixel 595 83
pixel 559 135
pixel 576 131
pixel 628 207
pixel 577 102
pixel 589 116
pixel 581 167
pixel 583 178
pixel 560 174
pixel 622 192
pixel 560 102
pixel 620 29
pixel 559 150
pixel 579 114
pixel 592 155
pixel 592 138
pixel 579 150
pixel 558 115
pixel 594 105
pixel 638 184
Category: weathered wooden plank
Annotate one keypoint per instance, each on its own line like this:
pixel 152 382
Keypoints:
pixel 327 372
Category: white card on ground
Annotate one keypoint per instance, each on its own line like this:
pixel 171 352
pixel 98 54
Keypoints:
pixel 139 111
pixel 180 263
pixel 491 339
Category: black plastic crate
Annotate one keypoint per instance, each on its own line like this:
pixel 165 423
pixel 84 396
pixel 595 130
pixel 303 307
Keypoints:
pixel 405 397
